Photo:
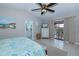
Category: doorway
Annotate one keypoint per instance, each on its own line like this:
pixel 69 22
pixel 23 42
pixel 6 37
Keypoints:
pixel 29 28
pixel 59 28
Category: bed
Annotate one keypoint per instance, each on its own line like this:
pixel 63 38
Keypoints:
pixel 20 46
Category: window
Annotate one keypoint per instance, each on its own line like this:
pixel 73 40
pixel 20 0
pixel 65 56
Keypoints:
pixel 60 25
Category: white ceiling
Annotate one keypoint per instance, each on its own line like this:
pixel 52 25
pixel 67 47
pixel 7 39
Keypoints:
pixel 62 9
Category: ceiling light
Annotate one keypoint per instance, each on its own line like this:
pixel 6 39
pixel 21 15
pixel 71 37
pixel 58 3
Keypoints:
pixel 43 10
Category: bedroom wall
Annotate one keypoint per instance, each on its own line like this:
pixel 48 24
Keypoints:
pixel 52 28
pixel 77 30
pixel 36 24
pixel 20 16
pixel 69 29
pixel 73 28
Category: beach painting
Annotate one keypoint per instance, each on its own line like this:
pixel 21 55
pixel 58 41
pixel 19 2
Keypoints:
pixel 7 22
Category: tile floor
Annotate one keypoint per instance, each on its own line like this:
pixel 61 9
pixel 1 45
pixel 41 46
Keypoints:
pixel 73 50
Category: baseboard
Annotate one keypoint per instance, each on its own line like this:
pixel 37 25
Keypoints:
pixel 45 38
pixel 76 43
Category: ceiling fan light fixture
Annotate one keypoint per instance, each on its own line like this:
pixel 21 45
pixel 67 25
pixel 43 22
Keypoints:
pixel 44 10
pixel 44 7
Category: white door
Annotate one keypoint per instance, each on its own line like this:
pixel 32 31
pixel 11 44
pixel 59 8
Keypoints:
pixel 45 32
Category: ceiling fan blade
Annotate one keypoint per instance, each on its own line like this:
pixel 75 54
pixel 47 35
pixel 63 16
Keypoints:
pixel 36 9
pixel 40 4
pixel 50 10
pixel 42 13
pixel 51 4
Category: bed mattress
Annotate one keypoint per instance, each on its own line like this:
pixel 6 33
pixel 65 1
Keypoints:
pixel 20 46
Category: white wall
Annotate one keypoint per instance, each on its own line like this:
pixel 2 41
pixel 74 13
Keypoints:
pixel 20 16
pixel 77 30
pixel 72 30
pixel 66 30
pixel 69 29
pixel 36 24
pixel 52 28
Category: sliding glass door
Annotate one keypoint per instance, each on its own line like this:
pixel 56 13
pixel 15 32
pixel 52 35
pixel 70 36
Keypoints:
pixel 59 27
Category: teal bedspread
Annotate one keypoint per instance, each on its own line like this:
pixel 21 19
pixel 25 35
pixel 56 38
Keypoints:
pixel 21 46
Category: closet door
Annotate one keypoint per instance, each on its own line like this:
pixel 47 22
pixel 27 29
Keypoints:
pixel 45 32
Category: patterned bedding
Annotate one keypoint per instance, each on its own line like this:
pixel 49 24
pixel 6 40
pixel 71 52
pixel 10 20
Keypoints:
pixel 21 46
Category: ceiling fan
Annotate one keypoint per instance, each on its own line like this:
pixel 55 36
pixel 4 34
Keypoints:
pixel 45 7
